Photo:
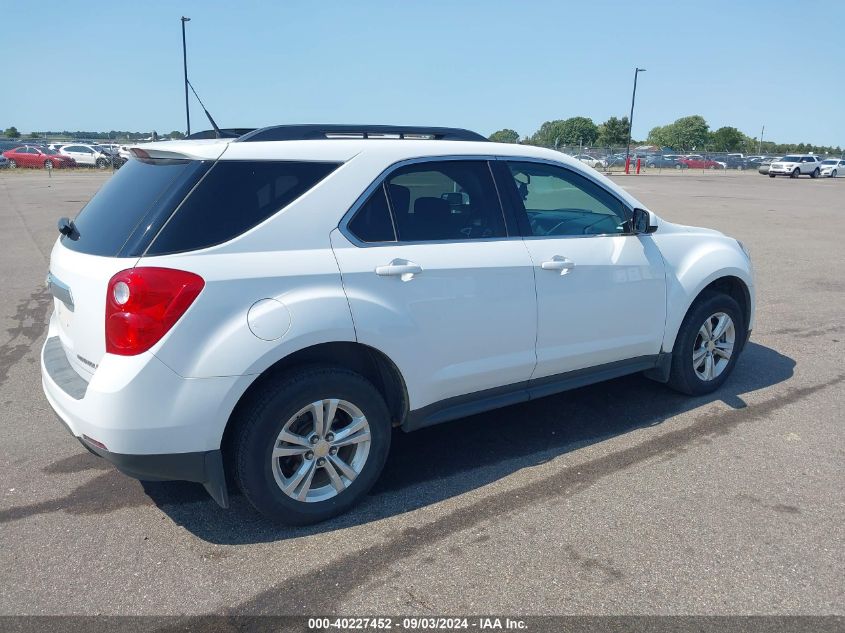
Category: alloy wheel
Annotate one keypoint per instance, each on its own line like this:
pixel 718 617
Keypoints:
pixel 714 346
pixel 320 450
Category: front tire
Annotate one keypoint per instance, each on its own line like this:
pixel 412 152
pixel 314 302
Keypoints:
pixel 311 444
pixel 771 175
pixel 795 173
pixel 708 345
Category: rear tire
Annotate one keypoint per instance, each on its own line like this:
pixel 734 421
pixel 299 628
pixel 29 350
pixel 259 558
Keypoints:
pixel 12 164
pixel 833 174
pixel 101 163
pixel 284 408
pixel 685 376
pixel 815 173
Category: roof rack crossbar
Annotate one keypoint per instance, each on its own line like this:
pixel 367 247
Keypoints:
pixel 307 132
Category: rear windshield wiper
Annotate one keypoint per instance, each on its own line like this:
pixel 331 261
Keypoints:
pixel 68 228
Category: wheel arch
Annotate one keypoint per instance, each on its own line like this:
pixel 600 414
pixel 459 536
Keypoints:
pixel 368 361
pixel 736 284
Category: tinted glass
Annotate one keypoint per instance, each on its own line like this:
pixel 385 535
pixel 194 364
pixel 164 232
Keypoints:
pixel 134 199
pixel 449 200
pixel 372 222
pixel 234 197
pixel 559 202
pixel 791 159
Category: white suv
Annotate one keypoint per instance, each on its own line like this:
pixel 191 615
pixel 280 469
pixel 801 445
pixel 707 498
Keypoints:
pixel 89 155
pixel 269 307
pixel 795 165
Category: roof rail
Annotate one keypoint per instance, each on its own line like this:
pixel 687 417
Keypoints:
pixel 341 131
pixel 226 132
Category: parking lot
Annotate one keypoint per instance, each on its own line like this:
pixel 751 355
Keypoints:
pixel 619 498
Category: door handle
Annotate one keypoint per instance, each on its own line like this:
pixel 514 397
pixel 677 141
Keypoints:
pixel 558 262
pixel 399 268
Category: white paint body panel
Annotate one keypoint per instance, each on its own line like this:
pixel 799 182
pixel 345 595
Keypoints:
pixel 610 306
pixel 466 323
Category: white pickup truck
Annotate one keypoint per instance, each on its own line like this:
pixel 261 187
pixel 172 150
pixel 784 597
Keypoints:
pixel 795 165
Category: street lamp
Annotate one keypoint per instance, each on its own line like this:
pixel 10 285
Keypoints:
pixel 637 71
pixel 185 63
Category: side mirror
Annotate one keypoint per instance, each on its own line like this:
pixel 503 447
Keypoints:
pixel 641 222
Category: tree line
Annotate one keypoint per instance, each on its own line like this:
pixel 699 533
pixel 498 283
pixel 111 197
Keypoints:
pixel 689 133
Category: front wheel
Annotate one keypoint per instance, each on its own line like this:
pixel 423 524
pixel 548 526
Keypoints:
pixel 311 445
pixel 771 175
pixel 708 345
pixel 795 173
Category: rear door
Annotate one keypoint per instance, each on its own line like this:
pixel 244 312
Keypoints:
pixel 601 291
pixel 437 280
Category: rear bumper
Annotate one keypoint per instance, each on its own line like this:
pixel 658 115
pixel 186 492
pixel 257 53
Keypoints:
pixel 202 467
pixel 141 416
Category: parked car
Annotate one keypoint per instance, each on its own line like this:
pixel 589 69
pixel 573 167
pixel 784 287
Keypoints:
pixel 87 155
pixel 696 161
pixel 794 165
pixel 765 164
pixel 664 162
pixel 832 167
pixel 34 156
pixel 275 307
pixel 592 161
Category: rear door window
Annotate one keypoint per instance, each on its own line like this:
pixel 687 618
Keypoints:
pixel 448 200
pixel 234 197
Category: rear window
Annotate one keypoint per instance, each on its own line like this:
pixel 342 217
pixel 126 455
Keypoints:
pixel 234 197
pixel 128 210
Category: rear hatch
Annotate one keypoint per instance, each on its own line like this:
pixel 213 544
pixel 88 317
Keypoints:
pixel 111 233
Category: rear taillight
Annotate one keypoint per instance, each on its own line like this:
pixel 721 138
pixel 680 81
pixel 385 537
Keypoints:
pixel 142 304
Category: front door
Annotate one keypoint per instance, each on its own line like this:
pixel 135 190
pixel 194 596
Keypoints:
pixel 601 291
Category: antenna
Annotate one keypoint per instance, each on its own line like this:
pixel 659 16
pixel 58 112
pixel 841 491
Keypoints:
pixel 213 124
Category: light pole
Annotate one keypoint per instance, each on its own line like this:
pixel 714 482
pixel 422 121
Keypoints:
pixel 637 71
pixel 185 64
pixel 760 145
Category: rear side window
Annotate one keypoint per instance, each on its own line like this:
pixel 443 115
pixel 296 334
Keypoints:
pixel 131 206
pixel 449 200
pixel 234 197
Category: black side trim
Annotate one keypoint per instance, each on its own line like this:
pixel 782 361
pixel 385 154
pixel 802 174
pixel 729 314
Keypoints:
pixel 60 370
pixel 480 401
pixel 205 467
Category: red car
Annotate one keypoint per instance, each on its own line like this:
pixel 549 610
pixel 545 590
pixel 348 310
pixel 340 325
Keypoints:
pixel 32 156
pixel 694 161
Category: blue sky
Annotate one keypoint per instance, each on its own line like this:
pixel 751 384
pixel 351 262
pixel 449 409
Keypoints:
pixel 481 64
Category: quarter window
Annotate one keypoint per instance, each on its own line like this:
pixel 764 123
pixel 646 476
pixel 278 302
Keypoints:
pixel 559 202
pixel 234 197
pixel 445 200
